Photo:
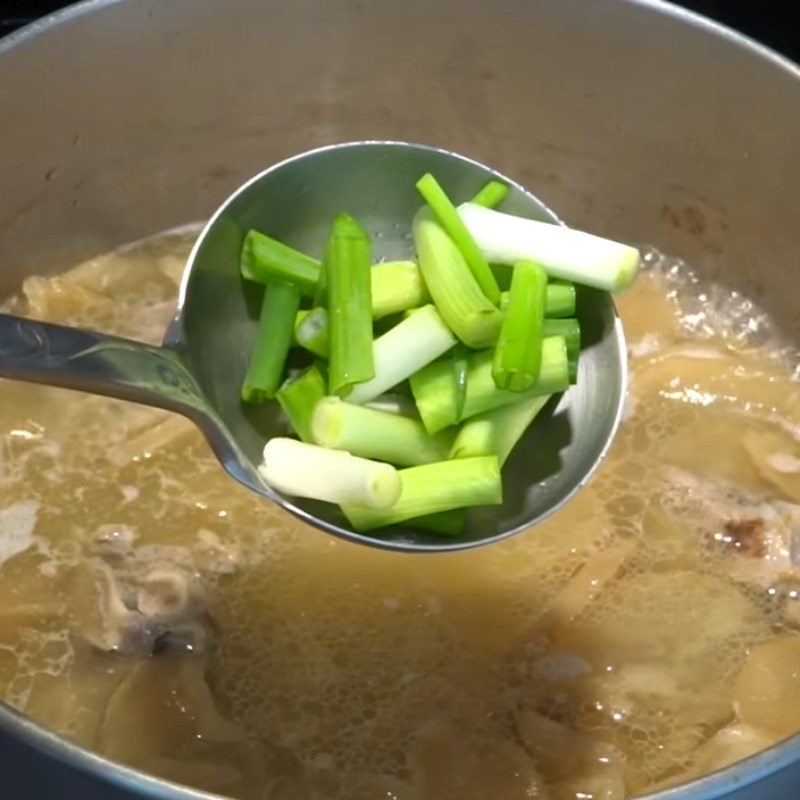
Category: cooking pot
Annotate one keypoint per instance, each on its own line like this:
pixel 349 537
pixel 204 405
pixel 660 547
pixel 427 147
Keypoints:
pixel 634 119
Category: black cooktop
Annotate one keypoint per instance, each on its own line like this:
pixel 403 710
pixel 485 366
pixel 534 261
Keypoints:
pixel 769 21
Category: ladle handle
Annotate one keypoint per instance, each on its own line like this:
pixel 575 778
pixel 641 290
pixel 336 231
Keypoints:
pixel 41 352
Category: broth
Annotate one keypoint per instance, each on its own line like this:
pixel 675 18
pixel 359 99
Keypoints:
pixel 153 610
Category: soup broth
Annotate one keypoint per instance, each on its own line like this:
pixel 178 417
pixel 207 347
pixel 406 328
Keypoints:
pixel 156 612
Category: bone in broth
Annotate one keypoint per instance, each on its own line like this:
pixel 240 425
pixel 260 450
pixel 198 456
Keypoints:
pixel 156 612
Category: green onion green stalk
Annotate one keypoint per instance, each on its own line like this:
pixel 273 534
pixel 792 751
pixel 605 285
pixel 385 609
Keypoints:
pixel 433 488
pixel 448 218
pixel 518 352
pixel 445 523
pixel 570 329
pixel 491 195
pixel 265 260
pixel 459 299
pixel 298 398
pixel 435 390
pixel 273 340
pixel 496 432
pixel 347 268
pixel 380 435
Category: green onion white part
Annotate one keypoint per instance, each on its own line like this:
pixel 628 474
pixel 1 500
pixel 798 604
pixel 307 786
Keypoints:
pixel 563 252
pixel 402 351
pixel 369 433
pixel 307 470
pixel 433 488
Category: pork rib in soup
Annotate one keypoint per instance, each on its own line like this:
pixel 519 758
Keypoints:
pixel 156 612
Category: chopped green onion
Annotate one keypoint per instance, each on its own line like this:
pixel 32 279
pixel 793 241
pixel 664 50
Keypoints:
pixel 274 338
pixel 570 329
pixel 298 397
pixel 502 274
pixel 457 295
pixel 445 523
pixel 307 470
pixel 394 404
pixel 560 300
pixel 452 223
pixel 264 260
pixel 491 195
pixel 369 433
pixel 435 392
pixel 433 488
pixel 518 352
pixel 321 292
pixel 496 432
pixel 403 350
pixel 512 351
pixel 434 386
pixel 460 367
pixel 311 331
pixel 396 286
pixel 347 268
pixel 563 252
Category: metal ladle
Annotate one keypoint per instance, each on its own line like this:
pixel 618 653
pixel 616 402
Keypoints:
pixel 199 368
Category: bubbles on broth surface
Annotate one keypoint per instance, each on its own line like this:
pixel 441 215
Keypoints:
pixel 713 311
pixel 595 656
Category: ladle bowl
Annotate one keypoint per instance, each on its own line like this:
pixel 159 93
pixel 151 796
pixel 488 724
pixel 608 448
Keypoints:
pixel 199 368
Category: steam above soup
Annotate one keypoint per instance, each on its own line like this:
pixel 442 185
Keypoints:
pixel 156 612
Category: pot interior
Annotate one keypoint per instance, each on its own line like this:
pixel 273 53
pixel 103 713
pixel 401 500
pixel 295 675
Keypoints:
pixel 630 119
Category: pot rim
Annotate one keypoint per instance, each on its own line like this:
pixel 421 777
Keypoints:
pixel 41 739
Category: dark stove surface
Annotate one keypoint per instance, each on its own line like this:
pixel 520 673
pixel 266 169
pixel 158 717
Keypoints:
pixel 769 21
pixel 16 13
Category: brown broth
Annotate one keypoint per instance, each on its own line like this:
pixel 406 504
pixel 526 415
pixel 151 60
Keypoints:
pixel 624 643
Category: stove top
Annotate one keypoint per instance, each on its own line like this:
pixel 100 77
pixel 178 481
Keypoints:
pixel 769 21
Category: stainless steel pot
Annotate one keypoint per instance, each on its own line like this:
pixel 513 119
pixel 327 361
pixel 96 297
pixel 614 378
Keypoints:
pixel 635 119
